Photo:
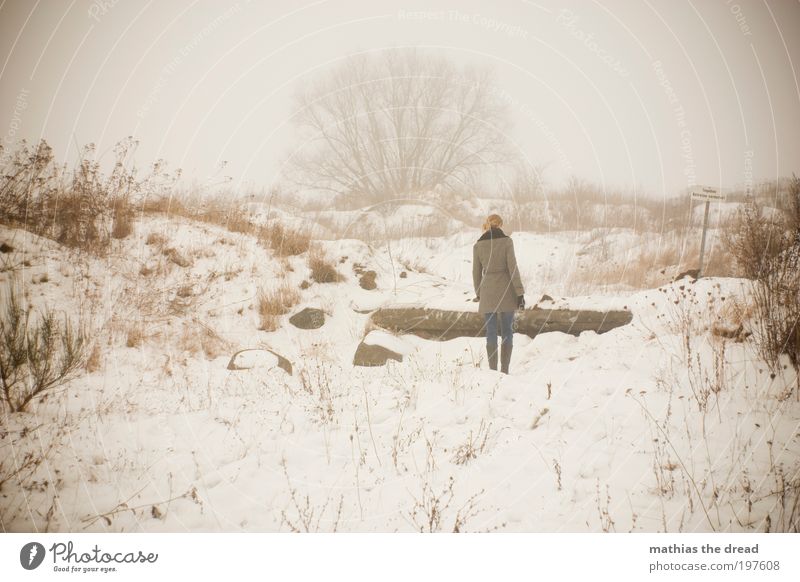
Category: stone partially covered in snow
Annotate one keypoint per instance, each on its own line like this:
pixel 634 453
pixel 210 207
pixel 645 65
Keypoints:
pixel 387 340
pixel 367 280
pixel 378 348
pixel 367 355
pixel 257 358
pixel 308 318
pixel 367 303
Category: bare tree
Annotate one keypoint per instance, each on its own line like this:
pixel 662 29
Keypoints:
pixel 381 126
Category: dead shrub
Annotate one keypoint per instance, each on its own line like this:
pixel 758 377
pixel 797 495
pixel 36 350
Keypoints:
pixel 767 251
pixel 81 207
pixel 274 303
pixel 77 220
pixel 754 240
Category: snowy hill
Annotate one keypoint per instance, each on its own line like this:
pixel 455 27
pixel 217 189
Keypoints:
pixel 657 425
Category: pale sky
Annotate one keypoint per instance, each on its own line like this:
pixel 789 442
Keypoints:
pixel 654 95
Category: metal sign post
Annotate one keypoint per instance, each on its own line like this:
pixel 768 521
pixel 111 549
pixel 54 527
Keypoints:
pixel 708 194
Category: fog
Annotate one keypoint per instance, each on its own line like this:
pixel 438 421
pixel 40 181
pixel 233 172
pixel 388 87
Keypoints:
pixel 652 96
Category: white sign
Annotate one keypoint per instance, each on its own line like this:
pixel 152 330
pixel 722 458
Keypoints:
pixel 708 193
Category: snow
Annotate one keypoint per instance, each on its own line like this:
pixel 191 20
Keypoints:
pixel 388 341
pixel 588 433
pixel 247 359
pixel 721 211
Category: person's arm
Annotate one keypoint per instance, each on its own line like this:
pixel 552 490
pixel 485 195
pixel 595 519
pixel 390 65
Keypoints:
pixel 511 263
pixel 477 271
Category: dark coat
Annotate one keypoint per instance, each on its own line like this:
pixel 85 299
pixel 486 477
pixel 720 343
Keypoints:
pixel 494 272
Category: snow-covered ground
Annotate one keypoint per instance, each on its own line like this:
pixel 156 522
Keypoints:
pixel 637 429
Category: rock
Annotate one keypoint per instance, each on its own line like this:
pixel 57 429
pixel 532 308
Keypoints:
pixel 308 318
pixel 438 324
pixel 367 280
pixel 6 248
pixel 545 297
pixel 690 273
pixel 176 257
pixel 259 358
pixel 367 303
pixel 403 274
pixel 374 355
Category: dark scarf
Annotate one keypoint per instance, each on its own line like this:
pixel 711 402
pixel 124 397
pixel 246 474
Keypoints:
pixel 492 233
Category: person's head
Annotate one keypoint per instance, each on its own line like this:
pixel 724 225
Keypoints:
pixel 492 221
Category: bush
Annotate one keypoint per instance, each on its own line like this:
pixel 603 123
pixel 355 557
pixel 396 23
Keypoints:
pixel 36 357
pixel 767 251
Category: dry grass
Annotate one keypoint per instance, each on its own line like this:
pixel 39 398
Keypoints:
pixel 80 206
pixel 197 337
pixel 135 336
pixel 686 443
pixel 156 239
pixel 323 270
pixel 284 242
pixel 650 267
pixel 167 204
pixel 225 210
pixel 475 445
pixel 122 221
pixel 158 268
pixel 274 303
pixel 94 361
pixel 175 256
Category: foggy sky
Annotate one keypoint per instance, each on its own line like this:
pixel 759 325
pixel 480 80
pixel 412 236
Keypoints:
pixel 651 95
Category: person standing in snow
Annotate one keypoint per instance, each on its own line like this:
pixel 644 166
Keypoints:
pixel 498 288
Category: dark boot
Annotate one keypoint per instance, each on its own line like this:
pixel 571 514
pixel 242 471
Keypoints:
pixel 491 352
pixel 505 357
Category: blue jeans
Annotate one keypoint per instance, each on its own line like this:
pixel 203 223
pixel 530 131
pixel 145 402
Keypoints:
pixel 506 327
